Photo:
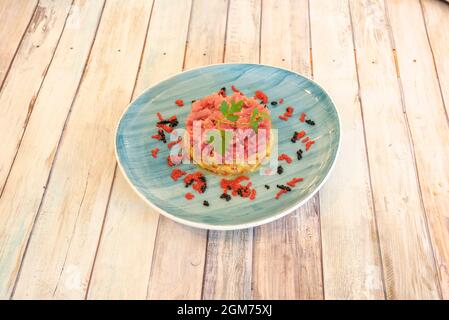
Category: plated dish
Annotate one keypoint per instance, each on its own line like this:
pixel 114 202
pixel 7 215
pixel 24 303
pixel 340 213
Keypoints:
pixel 229 146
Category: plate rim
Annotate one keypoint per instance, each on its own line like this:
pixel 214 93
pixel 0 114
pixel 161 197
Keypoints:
pixel 207 226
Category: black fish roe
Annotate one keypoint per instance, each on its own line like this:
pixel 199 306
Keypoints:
pixel 162 134
pixel 294 138
pixel 274 103
pixel 267 186
pixel 281 186
pixel 193 101
pixel 188 184
pixel 280 170
pixel 206 203
pixel 202 178
pixel 312 123
pixel 225 196
pixel 299 154
pixel 203 188
pixel 222 92
pixel 173 123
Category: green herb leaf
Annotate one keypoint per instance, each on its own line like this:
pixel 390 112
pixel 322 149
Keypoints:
pixel 224 107
pixel 254 125
pixel 232 117
pixel 236 106
pixel 228 111
pixel 264 115
pixel 254 115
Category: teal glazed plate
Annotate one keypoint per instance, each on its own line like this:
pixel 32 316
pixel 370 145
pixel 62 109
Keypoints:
pixel 150 177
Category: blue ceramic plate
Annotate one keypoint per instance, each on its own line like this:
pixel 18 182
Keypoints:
pixel 150 177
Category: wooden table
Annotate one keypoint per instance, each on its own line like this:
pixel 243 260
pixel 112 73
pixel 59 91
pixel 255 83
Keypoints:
pixel 72 228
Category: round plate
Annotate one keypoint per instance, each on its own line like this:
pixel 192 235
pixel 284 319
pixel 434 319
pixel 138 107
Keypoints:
pixel 150 177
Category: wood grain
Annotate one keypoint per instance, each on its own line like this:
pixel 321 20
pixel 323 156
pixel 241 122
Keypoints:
pixel 428 123
pixel 27 179
pixel 178 262
pixel 15 16
pixel 73 209
pixel 436 16
pixel 123 264
pixel 27 72
pixel 229 253
pixel 71 227
pixel 351 259
pixel 287 252
pixel 408 262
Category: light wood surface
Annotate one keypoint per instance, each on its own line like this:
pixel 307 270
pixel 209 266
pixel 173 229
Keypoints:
pixel 72 228
pixel 351 259
pixel 287 261
pixel 229 257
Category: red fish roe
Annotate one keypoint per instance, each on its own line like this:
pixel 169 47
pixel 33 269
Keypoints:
pixel 252 195
pixel 297 135
pixel 305 140
pixel 189 196
pixel 280 193
pixel 309 144
pixel 172 143
pixel 281 100
pixel 226 184
pixel 177 173
pixel 197 180
pixel 303 117
pixel 170 162
pixel 157 136
pixel 165 127
pixel 261 96
pixel 300 134
pixel 233 88
pixel 287 114
pixel 237 188
pixel 294 181
pixel 179 102
pixel 154 152
pixel 285 157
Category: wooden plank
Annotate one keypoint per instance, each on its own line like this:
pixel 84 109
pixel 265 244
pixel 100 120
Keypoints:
pixel 287 252
pixel 243 32
pixel 229 253
pixel 351 259
pixel 228 267
pixel 408 262
pixel 436 15
pixel 15 16
pixel 72 211
pixel 123 262
pixel 179 264
pixel 428 123
pixel 287 259
pixel 19 202
pixel 27 72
